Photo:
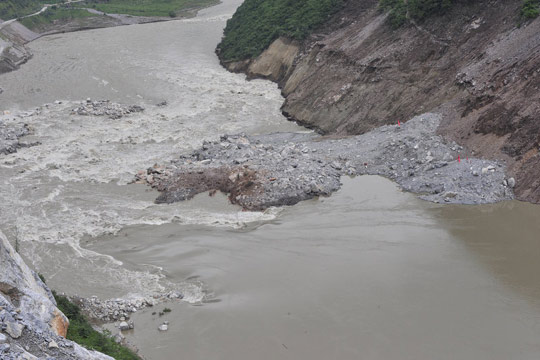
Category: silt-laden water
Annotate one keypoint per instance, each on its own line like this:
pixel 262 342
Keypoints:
pixel 369 273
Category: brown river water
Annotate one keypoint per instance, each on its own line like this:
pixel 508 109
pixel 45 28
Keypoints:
pixel 368 273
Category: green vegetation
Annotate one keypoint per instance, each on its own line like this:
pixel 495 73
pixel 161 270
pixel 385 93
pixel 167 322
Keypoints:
pixel 165 8
pixel 53 14
pixel 530 9
pixel 11 9
pixel 257 23
pixel 400 10
pixel 81 332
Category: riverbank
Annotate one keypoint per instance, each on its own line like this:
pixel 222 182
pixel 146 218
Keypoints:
pixel 476 65
pixel 14 34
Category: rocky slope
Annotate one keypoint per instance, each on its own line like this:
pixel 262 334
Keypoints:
pixel 474 66
pixel 31 325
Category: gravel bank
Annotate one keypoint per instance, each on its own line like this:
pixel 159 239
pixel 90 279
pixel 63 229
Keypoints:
pixel 282 169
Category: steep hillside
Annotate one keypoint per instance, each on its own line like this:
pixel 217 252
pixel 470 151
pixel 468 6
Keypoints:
pixel 476 63
pixel 32 325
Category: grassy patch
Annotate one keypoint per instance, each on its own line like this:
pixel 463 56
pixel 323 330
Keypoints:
pixel 81 332
pixel 257 23
pixel 165 8
pixel 53 14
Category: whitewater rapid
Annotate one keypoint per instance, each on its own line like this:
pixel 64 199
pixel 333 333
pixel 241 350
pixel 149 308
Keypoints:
pixel 75 183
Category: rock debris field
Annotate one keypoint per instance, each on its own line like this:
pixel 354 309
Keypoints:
pixel 284 168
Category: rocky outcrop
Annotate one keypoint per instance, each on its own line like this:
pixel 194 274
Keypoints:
pixel 32 326
pixel 273 64
pixel 10 135
pixel 475 66
pixel 13 53
pixel 282 169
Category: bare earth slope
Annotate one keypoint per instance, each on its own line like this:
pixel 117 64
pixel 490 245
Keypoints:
pixel 474 65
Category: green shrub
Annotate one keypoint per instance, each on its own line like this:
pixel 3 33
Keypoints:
pixel 399 10
pixel 81 332
pixel 530 9
pixel 257 23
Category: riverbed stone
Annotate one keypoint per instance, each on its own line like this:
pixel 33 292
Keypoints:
pixel 14 329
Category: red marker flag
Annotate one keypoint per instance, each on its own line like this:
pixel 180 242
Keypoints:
pixel 398 123
pixel 458 158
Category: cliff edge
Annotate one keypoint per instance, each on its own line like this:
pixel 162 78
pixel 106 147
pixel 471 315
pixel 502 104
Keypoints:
pixel 32 326
pixel 476 65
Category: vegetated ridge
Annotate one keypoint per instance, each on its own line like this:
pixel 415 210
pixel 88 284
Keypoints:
pixel 477 63
pixel 257 23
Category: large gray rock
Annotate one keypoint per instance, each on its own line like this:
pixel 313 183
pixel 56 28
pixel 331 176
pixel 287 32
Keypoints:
pixel 29 315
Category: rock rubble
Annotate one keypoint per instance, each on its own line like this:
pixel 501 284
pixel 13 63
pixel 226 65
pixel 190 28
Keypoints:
pixel 105 108
pixel 282 169
pixel 120 309
pixel 10 135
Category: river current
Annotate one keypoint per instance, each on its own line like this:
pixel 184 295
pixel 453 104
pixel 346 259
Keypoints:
pixel 368 273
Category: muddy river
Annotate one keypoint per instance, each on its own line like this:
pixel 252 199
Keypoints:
pixel 368 273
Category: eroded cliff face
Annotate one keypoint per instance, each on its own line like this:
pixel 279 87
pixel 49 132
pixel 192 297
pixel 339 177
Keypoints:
pixel 474 66
pixel 32 326
pixel 275 63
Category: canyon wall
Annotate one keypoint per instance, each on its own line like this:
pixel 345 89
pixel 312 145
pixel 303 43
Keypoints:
pixel 477 65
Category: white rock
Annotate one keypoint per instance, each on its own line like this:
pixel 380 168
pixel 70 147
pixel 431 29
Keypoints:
pixel 14 329
pixel 124 326
pixel 53 345
pixel 512 182
pixel 118 338
pixel 3 338
pixel 163 327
